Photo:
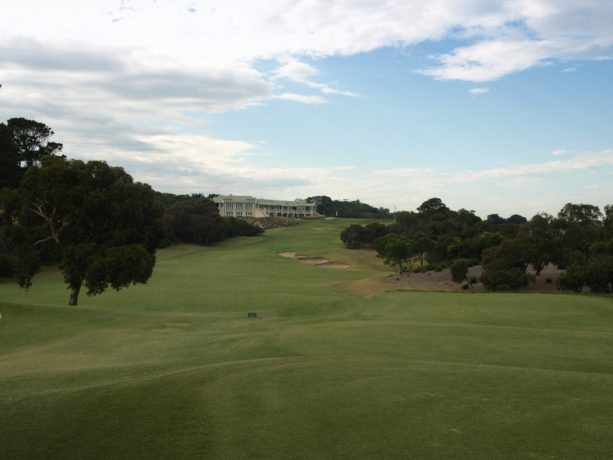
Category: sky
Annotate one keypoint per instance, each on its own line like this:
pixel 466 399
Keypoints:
pixel 494 106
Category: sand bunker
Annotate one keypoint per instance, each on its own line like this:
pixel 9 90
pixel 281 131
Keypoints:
pixel 314 260
pixel 318 261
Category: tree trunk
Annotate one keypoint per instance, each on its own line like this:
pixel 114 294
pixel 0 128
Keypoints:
pixel 74 295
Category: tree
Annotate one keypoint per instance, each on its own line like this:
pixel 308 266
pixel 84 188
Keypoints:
pixel 504 266
pixel 354 236
pixel 104 226
pixel 396 251
pixel 432 206
pixel 539 231
pixel 459 272
pixel 9 159
pixel 31 140
pixel 422 245
pixel 584 214
pixel 576 228
pixel 23 143
pixel 608 220
pixel 196 220
pixel 357 236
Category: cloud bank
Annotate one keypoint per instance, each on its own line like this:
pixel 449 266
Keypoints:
pixel 127 80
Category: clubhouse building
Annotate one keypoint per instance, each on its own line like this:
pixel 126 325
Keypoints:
pixel 248 206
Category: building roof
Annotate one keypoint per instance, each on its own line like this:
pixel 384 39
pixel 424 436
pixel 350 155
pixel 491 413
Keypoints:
pixel 251 199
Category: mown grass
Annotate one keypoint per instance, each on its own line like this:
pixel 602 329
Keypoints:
pixel 174 369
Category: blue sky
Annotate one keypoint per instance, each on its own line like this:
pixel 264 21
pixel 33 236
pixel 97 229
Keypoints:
pixel 493 106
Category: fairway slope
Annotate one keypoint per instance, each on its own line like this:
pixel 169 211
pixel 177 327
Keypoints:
pixel 176 369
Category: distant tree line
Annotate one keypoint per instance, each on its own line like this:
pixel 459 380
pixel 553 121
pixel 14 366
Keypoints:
pixel 99 226
pixel 578 240
pixel 328 207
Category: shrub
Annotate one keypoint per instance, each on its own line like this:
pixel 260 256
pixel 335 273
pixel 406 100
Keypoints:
pixel 505 280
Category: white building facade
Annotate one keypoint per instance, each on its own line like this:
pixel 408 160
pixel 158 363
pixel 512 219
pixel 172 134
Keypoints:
pixel 248 206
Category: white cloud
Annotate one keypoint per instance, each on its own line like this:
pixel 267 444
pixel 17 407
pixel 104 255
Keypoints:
pixel 302 98
pixel 186 163
pixel 296 70
pixel 125 80
pixel 328 90
pixel 302 73
pixel 478 91
pixel 489 60
pixel 508 35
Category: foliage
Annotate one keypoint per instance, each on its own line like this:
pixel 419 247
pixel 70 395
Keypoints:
pixel 31 140
pixel 505 279
pixel 196 220
pixel 240 227
pixel 594 272
pixel 422 245
pixel 432 206
pixel 504 266
pixel 326 206
pixel 104 227
pixel 357 236
pixel 9 159
pixel 396 251
pixel 459 271
pixel 506 246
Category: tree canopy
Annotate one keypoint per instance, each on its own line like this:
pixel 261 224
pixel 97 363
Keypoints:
pixel 23 143
pixel 102 225
pixel 31 140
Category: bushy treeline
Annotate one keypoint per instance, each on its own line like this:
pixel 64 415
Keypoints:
pixel 328 207
pixel 579 240
pixel 195 219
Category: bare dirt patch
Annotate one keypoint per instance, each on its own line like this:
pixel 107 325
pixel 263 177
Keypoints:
pixel 290 254
pixel 442 281
pixel 434 281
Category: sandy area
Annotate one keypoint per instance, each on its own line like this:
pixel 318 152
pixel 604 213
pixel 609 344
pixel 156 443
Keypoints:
pixel 314 260
pixel 317 261
pixel 428 281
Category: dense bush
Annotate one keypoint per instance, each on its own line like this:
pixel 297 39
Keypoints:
pixel 357 236
pixel 240 227
pixel 459 271
pixel 509 279
pixel 595 272
pixel 196 220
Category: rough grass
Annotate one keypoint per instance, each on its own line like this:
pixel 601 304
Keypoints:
pixel 174 369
